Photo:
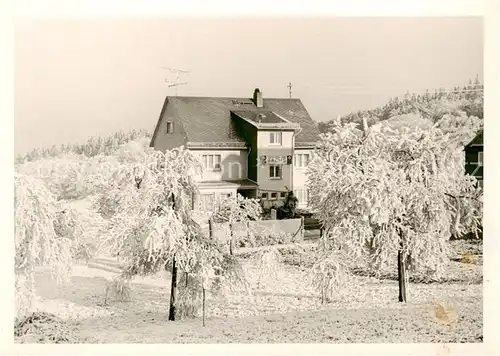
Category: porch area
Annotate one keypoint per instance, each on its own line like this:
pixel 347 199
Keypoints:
pixel 211 192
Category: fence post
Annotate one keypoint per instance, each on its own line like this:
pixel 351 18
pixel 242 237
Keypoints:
pixel 210 229
pixel 273 214
pixel 232 240
pixel 302 227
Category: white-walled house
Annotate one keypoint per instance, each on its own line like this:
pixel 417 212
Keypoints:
pixel 256 147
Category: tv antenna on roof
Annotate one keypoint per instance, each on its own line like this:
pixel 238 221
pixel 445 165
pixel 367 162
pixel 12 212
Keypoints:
pixel 176 83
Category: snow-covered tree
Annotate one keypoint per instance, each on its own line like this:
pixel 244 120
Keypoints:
pixel 39 240
pixel 383 192
pixel 468 100
pixel 460 127
pixel 152 227
pixel 65 176
pixel 83 225
pixel 236 210
pixel 94 146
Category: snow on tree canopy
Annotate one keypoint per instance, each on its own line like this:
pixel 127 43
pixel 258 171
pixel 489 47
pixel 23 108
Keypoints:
pixel 36 239
pixel 45 236
pixel 383 190
pixel 152 225
pixel 153 220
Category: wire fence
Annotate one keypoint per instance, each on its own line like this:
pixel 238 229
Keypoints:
pixel 222 230
pixel 303 228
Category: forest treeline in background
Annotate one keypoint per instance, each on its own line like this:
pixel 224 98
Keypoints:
pixel 459 106
pixel 458 103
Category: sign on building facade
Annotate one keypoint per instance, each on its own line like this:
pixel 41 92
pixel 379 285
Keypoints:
pixel 272 160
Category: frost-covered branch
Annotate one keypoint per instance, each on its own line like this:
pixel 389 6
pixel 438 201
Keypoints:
pixel 393 195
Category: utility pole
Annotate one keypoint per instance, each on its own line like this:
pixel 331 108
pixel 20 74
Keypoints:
pixel 289 86
pixel 177 73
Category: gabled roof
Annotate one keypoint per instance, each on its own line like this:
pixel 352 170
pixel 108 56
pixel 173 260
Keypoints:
pixel 207 120
pixel 476 141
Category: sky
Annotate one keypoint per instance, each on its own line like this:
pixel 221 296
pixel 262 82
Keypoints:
pixel 79 78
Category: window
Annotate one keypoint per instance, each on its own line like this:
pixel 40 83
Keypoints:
pixel 274 195
pixel 212 162
pixel 206 202
pixel 264 195
pixel 275 172
pixel 170 127
pixel 301 160
pixel 225 195
pixel 480 159
pixel 275 138
pixel 301 195
pixel 283 195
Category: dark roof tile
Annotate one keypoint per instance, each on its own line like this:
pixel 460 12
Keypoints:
pixel 478 140
pixel 208 120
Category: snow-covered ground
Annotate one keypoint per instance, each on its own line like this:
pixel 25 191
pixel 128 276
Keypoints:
pixel 280 309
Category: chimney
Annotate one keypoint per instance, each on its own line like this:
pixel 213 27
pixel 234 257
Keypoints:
pixel 257 98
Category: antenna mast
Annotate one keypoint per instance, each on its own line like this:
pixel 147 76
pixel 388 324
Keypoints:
pixel 177 73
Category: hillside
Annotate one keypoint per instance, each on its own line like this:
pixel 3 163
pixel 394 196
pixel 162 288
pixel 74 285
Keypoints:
pixel 458 107
pixel 94 146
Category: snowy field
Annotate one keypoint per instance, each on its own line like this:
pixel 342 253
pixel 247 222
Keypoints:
pixel 281 309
